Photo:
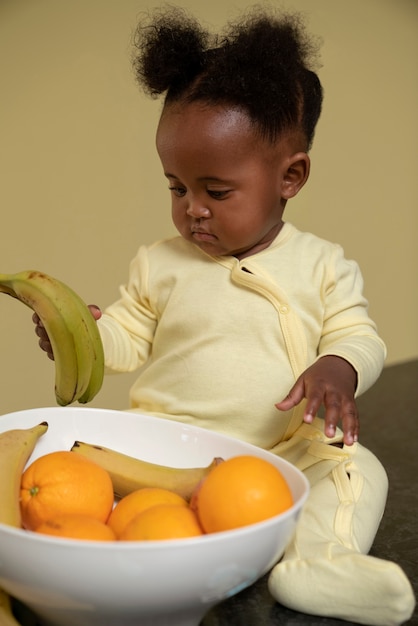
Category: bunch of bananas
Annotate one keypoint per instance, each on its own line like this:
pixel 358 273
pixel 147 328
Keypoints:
pixel 16 446
pixel 72 331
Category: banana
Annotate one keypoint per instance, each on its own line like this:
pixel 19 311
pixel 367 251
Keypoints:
pixel 128 473
pixel 6 615
pixel 16 446
pixel 96 354
pixel 72 331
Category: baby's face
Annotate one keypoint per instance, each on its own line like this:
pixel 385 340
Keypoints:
pixel 228 186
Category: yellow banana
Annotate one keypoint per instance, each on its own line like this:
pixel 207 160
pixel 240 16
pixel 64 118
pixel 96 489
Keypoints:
pixel 16 446
pixel 6 615
pixel 128 473
pixel 95 356
pixel 72 331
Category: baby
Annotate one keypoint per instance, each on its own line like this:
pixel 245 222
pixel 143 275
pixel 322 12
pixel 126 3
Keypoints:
pixel 245 325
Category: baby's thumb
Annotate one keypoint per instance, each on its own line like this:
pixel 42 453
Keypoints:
pixel 95 311
pixel 295 395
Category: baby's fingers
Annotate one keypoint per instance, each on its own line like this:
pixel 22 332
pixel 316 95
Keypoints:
pixel 36 320
pixel 351 424
pixel 44 342
pixel 345 412
pixel 314 400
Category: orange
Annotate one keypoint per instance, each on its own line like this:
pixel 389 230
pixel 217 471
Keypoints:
pixel 137 501
pixel 64 482
pixel 162 521
pixel 240 491
pixel 74 526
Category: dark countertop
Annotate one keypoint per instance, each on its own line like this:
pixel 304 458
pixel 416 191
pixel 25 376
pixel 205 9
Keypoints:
pixel 389 428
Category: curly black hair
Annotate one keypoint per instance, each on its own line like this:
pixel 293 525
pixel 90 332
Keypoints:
pixel 262 64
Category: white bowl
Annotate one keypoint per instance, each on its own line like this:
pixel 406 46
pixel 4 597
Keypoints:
pixel 158 583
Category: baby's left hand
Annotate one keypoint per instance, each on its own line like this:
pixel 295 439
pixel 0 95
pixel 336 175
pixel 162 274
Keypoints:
pixel 330 381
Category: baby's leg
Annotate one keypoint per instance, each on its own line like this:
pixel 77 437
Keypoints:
pixel 325 570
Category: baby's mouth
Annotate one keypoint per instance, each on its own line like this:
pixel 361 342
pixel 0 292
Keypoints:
pixel 202 235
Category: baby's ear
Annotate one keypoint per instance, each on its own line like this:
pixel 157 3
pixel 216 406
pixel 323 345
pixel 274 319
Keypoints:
pixel 296 174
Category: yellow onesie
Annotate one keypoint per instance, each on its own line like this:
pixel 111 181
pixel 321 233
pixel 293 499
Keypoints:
pixel 217 342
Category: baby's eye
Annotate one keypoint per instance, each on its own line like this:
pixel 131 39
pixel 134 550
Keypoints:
pixel 178 191
pixel 218 194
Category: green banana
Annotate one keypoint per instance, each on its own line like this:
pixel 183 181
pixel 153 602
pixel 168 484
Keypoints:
pixel 97 357
pixel 128 473
pixel 16 446
pixel 72 331
pixel 6 615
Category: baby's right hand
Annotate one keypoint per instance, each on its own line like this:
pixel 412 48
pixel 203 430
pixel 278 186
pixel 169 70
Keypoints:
pixel 44 342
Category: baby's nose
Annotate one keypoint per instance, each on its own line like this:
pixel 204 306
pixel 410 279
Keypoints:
pixel 197 209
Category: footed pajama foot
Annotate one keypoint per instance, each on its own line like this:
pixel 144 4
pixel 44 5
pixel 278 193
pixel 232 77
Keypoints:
pixel 353 587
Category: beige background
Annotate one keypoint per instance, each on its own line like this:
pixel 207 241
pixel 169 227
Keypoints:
pixel 81 185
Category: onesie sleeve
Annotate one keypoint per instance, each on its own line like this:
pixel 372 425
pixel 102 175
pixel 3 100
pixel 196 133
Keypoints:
pixel 348 331
pixel 127 326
